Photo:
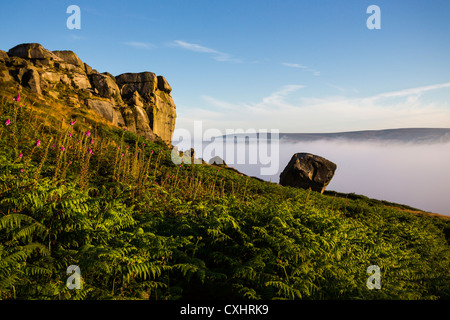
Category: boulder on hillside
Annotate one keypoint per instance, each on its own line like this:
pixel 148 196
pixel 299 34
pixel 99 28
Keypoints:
pixel 32 51
pixel 217 161
pixel 306 170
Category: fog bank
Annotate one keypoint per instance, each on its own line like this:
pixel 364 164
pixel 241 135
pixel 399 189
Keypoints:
pixel 417 175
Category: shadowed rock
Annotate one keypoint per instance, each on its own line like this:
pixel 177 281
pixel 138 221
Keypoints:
pixel 306 170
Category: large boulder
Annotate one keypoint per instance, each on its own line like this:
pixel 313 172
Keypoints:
pixel 32 51
pixel 306 170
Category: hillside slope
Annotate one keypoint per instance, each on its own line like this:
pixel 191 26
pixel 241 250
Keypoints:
pixel 75 190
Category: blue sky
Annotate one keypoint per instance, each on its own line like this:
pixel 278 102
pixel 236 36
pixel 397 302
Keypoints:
pixel 296 66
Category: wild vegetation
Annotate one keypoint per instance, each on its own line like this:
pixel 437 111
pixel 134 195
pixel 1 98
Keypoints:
pixel 74 191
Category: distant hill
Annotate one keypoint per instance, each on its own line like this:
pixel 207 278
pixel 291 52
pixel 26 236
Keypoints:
pixel 406 135
pixel 413 135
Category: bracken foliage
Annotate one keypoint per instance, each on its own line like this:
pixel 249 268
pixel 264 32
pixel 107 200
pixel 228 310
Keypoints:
pixel 138 226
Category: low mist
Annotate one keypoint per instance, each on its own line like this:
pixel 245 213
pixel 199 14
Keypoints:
pixel 417 175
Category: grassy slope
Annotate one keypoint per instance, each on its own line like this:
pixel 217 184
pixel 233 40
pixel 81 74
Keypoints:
pixel 140 227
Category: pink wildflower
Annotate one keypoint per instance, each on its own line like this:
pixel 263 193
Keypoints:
pixel 88 133
pixel 70 134
pixel 17 98
pixel 92 141
pixel 38 143
pixel 90 150
pixel 125 129
pixel 7 122
pixel 20 155
pixel 21 170
pixel 63 149
pixel 71 123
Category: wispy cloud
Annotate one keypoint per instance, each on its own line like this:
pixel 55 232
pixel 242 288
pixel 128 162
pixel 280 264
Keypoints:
pixel 287 110
pixel 294 65
pixel 139 45
pixel 215 54
pixel 413 91
pixel 76 37
pixel 299 66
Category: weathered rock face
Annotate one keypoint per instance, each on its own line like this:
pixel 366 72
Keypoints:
pixel 32 51
pixel 140 102
pixel 69 57
pixel 146 92
pixel 306 170
pixel 106 86
pixel 107 110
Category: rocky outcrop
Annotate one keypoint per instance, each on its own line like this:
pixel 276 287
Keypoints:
pixel 306 170
pixel 140 102
pixel 149 93
pixel 32 51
